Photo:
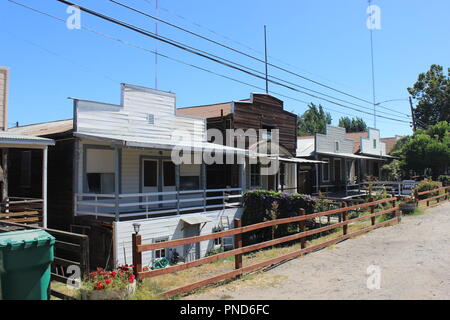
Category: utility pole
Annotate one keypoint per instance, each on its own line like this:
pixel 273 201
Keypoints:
pixel 265 51
pixel 412 114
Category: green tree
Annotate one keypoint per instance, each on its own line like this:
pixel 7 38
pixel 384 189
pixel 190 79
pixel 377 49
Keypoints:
pixel 314 120
pixel 428 149
pixel 353 125
pixel 432 93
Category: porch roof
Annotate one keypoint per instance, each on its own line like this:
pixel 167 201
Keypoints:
pixel 348 155
pixel 11 139
pixel 141 142
pixel 300 160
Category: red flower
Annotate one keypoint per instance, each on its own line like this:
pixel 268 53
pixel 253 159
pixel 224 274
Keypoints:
pixel 131 278
pixel 107 281
pixel 113 274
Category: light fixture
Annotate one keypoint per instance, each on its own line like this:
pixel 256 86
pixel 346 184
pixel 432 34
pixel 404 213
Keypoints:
pixel 136 227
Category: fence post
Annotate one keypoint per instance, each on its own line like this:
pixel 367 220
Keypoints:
pixel 237 244
pixel 84 255
pixel 398 213
pixel 137 256
pixel 344 218
pixel 302 226
pixel 416 197
pixel 372 210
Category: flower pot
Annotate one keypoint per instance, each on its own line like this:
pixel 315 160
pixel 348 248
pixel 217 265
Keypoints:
pixel 408 207
pixel 119 294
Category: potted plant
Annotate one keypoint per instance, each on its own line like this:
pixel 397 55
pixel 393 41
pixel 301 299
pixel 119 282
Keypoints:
pixel 118 284
pixel 408 206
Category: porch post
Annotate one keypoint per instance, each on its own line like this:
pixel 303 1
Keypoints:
pixel 317 178
pixel 5 177
pixel 117 181
pixel 44 186
pixel 294 177
pixel 243 176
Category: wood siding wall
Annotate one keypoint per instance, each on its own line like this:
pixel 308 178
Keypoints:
pixel 4 79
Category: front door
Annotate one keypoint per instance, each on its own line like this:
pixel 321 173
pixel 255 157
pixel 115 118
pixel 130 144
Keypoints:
pixel 337 171
pixel 191 250
pixel 168 182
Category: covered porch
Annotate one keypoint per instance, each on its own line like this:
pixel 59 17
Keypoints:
pixel 121 179
pixel 23 178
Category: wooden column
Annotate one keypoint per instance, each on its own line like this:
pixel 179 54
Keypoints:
pixel 372 210
pixel 237 244
pixel 302 212
pixel 137 256
pixel 44 186
pixel 117 182
pixel 344 218
pixel 4 195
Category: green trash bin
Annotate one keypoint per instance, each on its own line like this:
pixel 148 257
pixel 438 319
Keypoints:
pixel 25 258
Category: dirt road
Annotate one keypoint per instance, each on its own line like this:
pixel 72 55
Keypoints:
pixel 413 259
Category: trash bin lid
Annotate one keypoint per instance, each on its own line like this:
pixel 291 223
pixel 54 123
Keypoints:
pixel 24 239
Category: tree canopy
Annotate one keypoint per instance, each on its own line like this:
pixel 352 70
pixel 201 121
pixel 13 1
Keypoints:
pixel 432 93
pixel 314 120
pixel 427 149
pixel 353 125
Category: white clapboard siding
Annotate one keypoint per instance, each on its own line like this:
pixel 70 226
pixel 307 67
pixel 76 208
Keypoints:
pixel 131 119
pixel 367 144
pixel 326 142
pixel 169 227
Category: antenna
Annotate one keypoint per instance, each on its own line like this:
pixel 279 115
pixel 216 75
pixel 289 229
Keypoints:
pixel 265 51
pixel 156 48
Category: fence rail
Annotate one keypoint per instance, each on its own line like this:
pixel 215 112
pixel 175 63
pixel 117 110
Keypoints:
pixel 438 197
pixel 239 250
pixel 21 210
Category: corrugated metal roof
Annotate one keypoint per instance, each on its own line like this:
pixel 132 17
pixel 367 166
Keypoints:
pixel 141 142
pixel 12 138
pixel 300 160
pixel 208 111
pixel 348 155
pixel 44 128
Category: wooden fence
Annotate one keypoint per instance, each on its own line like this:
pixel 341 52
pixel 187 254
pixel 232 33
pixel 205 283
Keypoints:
pixel 239 250
pixel 71 249
pixel 21 210
pixel 445 194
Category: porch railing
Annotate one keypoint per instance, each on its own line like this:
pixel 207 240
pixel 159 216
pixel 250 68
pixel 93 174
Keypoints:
pixel 21 210
pixel 132 205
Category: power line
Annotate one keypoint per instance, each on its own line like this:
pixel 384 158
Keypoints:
pixel 239 51
pixel 173 59
pixel 204 54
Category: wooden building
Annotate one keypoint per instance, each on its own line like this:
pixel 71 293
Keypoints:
pixel 261 111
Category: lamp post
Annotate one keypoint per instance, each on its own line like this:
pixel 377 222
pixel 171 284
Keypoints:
pixel 136 227
pixel 137 256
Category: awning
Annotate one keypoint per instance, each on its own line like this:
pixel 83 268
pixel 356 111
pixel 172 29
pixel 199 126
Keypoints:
pixel 12 139
pixel 348 155
pixel 197 219
pixel 141 142
pixel 300 160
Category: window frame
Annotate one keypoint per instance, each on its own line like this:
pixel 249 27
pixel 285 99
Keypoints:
pixel 327 160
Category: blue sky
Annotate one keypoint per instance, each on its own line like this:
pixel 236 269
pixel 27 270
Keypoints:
pixel 325 40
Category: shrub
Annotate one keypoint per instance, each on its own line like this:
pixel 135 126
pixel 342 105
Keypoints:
pixel 445 180
pixel 262 205
pixel 427 185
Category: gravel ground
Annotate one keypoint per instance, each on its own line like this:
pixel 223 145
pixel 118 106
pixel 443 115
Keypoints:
pixel 413 257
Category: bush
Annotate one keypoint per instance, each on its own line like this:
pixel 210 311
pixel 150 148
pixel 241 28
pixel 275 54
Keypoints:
pixel 445 180
pixel 262 205
pixel 427 185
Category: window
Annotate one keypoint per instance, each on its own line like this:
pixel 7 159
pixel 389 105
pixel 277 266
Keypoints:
pixel 325 170
pixel 150 118
pixel 189 177
pixel 255 177
pixel 374 143
pixel 150 173
pixel 268 133
pixel 169 174
pixel 160 253
pixel 25 169
pixel 336 146
pixel 218 241
pixel 100 182
pixel 100 167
